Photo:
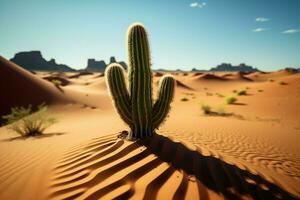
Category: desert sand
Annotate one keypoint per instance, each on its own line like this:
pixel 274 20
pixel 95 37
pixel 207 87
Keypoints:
pixel 252 152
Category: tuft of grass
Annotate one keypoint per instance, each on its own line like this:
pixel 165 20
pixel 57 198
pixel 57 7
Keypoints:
pixel 219 95
pixel 28 123
pixel 242 92
pixel 234 91
pixel 184 99
pixel 221 110
pixel 56 82
pixel 206 109
pixel 282 83
pixel 259 90
pixel 231 100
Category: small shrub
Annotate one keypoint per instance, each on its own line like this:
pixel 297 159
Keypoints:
pixel 271 80
pixel 231 100
pixel 206 109
pixel 259 90
pixel 221 110
pixel 219 95
pixel 234 91
pixel 282 83
pixel 184 99
pixel 242 92
pixel 28 123
pixel 56 82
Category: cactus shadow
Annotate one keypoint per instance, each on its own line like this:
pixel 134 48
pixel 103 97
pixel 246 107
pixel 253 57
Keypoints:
pixel 223 178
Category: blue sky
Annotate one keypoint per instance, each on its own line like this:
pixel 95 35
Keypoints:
pixel 183 34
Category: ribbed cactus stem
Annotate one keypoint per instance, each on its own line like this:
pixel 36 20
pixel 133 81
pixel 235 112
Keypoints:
pixel 135 107
pixel 165 95
pixel 140 81
pixel 115 81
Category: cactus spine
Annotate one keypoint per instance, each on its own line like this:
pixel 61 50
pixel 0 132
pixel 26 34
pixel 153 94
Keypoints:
pixel 135 106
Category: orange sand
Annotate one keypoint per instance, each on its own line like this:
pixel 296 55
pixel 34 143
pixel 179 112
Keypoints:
pixel 252 153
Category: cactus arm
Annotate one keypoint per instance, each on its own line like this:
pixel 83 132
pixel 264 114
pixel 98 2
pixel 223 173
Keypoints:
pixel 115 80
pixel 140 81
pixel 162 106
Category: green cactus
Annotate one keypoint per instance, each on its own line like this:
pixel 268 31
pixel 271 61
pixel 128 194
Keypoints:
pixel 135 105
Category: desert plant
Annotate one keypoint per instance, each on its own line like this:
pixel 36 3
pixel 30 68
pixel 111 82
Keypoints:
pixel 219 95
pixel 56 82
pixel 221 109
pixel 206 109
pixel 231 100
pixel 135 106
pixel 282 83
pixel 184 99
pixel 242 92
pixel 28 123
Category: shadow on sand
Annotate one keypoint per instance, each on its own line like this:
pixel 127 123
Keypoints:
pixel 109 163
pixel 225 179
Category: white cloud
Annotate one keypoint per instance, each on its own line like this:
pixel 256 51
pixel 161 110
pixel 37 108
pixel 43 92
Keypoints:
pixel 262 19
pixel 260 29
pixel 198 4
pixel 193 5
pixel 291 31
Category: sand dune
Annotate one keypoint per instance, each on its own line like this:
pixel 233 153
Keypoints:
pixel 251 154
pixel 21 88
pixel 179 84
pixel 240 76
pixel 211 77
pixel 79 74
pixel 62 80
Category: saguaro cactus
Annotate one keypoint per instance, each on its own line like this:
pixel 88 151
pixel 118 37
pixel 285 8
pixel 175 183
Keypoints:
pixel 135 105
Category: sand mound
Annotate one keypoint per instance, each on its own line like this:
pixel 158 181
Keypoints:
pixel 156 168
pixel 211 77
pixel 179 84
pixel 197 74
pixel 158 74
pixel 63 81
pixel 99 75
pixel 98 85
pixel 239 76
pixel 21 88
pixel 83 73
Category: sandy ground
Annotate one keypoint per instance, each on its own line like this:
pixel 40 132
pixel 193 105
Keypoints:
pixel 250 151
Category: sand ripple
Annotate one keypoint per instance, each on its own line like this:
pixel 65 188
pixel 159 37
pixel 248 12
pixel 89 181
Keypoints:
pixel 157 168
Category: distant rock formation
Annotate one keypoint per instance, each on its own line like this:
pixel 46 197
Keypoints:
pixel 112 60
pixel 228 67
pixel 123 64
pixel 33 60
pixel 95 66
pixel 99 66
pixel 198 70
pixel 292 70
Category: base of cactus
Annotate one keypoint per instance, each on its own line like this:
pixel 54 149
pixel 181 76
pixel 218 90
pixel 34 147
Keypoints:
pixel 135 135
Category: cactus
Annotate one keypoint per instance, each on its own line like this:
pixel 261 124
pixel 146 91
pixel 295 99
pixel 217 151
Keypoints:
pixel 135 105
